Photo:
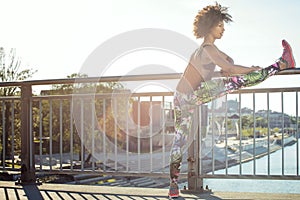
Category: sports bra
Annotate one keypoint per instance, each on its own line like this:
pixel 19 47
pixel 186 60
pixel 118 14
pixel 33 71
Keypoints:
pixel 192 76
pixel 198 53
pixel 207 69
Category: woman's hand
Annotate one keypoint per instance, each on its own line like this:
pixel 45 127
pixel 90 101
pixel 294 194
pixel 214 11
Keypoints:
pixel 224 74
pixel 230 60
pixel 255 68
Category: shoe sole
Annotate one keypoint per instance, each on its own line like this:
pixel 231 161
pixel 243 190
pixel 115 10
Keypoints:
pixel 173 196
pixel 287 46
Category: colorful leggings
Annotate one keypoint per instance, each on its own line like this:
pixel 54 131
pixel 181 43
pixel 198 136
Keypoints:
pixel 185 105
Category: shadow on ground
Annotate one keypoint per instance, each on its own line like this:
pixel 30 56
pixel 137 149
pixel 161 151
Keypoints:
pixel 33 192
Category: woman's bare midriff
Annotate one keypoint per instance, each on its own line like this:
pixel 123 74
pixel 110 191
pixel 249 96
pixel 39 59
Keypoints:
pixel 190 80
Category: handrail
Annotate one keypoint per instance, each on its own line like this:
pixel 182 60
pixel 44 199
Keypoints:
pixel 118 78
pixel 94 79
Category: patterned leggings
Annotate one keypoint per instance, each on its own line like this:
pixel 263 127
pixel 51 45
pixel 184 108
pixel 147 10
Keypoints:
pixel 185 105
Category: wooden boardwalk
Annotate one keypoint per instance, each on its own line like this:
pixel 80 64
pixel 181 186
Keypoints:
pixel 8 190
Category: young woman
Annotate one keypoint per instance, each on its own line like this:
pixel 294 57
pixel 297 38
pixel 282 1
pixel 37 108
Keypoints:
pixel 197 87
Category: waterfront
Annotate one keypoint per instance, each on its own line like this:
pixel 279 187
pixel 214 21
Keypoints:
pixel 254 185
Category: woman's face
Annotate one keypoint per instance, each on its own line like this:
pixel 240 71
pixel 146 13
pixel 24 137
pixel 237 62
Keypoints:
pixel 218 30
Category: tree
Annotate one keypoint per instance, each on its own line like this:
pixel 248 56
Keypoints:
pixel 77 88
pixel 10 71
pixel 247 121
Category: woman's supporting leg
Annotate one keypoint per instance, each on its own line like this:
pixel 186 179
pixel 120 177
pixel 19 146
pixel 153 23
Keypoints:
pixel 184 116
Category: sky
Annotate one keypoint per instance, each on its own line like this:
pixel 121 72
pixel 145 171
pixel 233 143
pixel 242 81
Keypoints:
pixel 57 37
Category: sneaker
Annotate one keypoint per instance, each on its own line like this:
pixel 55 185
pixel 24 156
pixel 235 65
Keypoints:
pixel 173 191
pixel 287 55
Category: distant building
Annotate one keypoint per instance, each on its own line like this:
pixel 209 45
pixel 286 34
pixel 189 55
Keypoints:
pixel 232 106
pixel 276 119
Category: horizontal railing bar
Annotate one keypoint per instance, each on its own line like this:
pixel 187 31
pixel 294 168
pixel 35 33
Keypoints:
pixel 116 78
pixel 145 94
pixel 10 98
pixel 109 95
pixel 132 174
pixel 166 175
pixel 89 95
pixel 266 90
pixel 294 71
pixel 94 79
pixel 274 177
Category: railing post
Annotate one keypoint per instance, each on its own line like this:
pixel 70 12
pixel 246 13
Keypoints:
pixel 27 147
pixel 195 183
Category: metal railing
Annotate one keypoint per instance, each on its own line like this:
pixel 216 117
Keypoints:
pixel 124 133
pixel 84 131
pixel 217 153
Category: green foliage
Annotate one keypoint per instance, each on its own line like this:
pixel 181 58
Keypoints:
pixel 10 71
pixel 276 130
pixel 259 132
pixel 10 123
pixel 59 110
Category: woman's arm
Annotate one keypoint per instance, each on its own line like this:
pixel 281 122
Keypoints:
pixel 226 57
pixel 223 61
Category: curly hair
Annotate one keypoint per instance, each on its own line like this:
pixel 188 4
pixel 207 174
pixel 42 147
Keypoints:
pixel 209 17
